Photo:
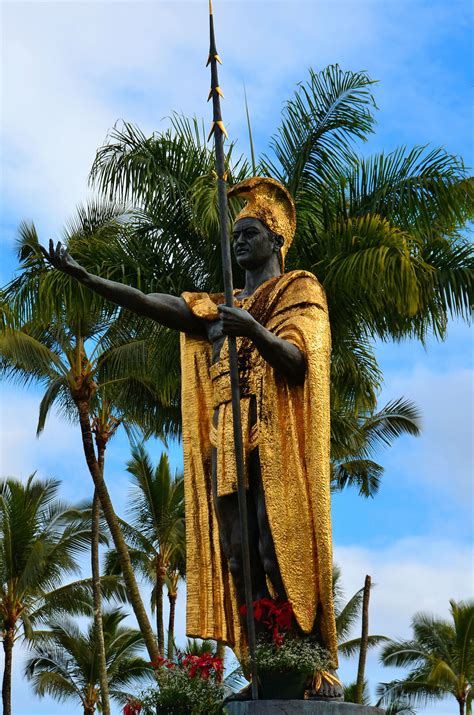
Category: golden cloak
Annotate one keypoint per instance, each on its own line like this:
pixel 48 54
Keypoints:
pixel 293 425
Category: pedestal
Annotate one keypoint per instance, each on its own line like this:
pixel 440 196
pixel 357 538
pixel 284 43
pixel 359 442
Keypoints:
pixel 299 707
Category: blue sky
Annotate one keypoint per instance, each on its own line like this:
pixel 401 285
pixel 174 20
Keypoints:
pixel 72 69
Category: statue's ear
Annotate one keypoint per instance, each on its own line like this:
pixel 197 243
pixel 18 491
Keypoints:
pixel 278 240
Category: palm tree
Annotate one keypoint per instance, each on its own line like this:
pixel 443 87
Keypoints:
pixel 176 572
pixel 47 342
pixel 355 437
pixel 382 235
pixel 440 656
pixel 65 666
pixel 347 614
pixel 39 546
pixel 351 694
pixel 155 534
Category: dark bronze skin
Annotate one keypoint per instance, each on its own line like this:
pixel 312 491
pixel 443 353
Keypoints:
pixel 257 252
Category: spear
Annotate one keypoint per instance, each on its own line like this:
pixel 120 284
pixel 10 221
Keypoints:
pixel 219 131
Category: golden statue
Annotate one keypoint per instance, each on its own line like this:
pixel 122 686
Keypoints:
pixel 286 431
pixel 283 339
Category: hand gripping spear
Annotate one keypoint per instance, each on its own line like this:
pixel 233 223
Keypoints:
pixel 218 130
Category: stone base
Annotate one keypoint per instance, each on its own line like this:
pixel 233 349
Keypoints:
pixel 299 707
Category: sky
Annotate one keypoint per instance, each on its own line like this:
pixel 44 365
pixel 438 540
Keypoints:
pixel 70 70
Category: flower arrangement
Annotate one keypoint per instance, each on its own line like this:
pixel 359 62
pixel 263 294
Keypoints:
pixel 189 685
pixel 292 654
pixel 281 650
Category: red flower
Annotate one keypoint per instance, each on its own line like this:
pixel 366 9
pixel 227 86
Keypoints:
pixel 203 666
pixel 276 615
pixel 159 661
pixel 284 616
pixel 133 707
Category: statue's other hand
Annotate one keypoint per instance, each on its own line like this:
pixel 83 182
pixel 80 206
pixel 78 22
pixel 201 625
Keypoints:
pixel 60 258
pixel 236 321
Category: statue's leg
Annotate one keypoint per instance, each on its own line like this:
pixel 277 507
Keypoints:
pixel 227 511
pixel 265 541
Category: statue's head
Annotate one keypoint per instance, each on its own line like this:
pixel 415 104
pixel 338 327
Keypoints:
pixel 271 210
pixel 254 243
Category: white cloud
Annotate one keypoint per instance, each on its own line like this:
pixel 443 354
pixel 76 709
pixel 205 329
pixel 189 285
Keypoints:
pixel 413 574
pixel 443 456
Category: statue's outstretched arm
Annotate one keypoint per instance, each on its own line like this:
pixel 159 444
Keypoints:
pixel 168 310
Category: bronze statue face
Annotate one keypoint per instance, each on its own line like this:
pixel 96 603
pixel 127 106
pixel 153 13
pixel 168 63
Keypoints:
pixel 254 244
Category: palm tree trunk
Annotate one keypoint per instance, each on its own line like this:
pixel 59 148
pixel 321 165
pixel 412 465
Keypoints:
pixel 172 599
pixel 115 530
pixel 363 643
pixel 97 594
pixel 160 631
pixel 461 707
pixel 7 672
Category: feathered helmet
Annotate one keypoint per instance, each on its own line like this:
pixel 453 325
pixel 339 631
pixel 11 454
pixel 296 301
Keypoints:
pixel 268 201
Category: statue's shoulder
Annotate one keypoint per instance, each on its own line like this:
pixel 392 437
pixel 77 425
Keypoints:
pixel 301 287
pixel 202 305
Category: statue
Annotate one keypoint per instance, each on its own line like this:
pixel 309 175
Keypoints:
pixel 283 340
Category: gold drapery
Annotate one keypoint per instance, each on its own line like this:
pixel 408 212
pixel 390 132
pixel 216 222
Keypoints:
pixel 293 436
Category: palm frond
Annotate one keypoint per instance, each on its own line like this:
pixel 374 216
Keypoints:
pixel 320 124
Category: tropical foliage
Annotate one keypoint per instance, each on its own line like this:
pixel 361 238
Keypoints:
pixel 40 543
pixel 381 234
pixel 355 437
pixel 384 236
pixel 68 342
pixel 348 614
pixel 440 659
pixel 64 663
pixel 187 684
pixel 156 532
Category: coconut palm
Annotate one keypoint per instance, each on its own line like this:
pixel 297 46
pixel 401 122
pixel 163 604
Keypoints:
pixel 348 613
pixel 176 572
pixel 351 694
pixel 382 234
pixel 39 546
pixel 65 665
pixel 155 533
pixel 356 436
pixel 66 339
pixel 440 658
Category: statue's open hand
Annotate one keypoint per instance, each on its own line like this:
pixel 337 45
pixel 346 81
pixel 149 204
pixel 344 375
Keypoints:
pixel 236 321
pixel 60 258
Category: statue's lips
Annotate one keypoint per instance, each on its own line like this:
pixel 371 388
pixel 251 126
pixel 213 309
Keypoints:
pixel 241 249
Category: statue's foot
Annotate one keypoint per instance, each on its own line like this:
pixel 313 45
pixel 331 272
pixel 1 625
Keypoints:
pixel 326 686
pixel 241 696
